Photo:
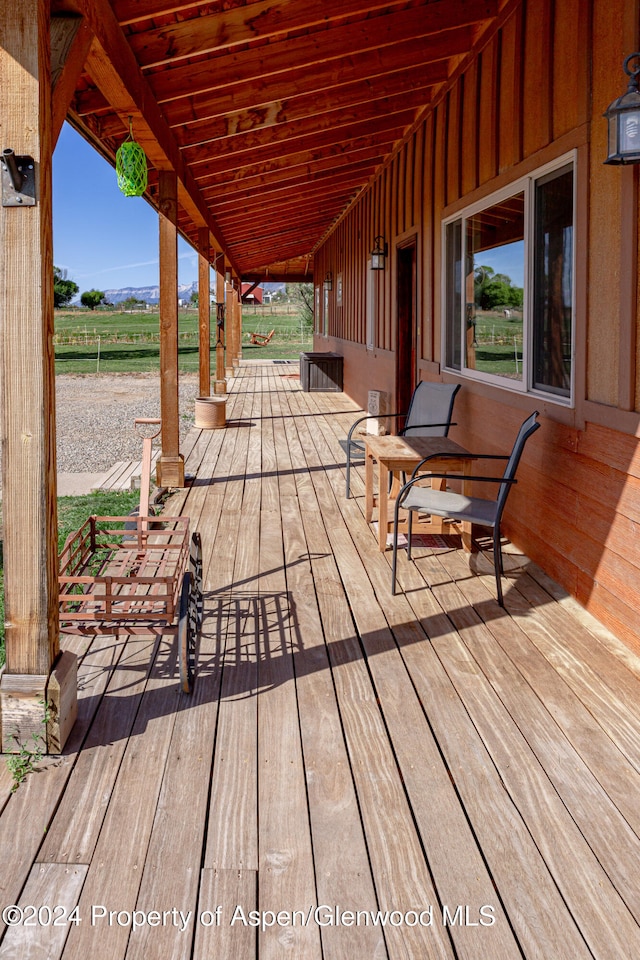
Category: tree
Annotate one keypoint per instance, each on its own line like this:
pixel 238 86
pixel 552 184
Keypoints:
pixel 64 290
pixel 301 294
pixel 495 290
pixel 92 298
pixel 194 299
pixel 131 303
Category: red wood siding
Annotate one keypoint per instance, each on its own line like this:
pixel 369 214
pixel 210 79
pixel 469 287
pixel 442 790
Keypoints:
pixel 535 88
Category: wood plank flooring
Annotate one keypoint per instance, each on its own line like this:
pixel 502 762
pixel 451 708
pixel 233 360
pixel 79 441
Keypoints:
pixel 357 776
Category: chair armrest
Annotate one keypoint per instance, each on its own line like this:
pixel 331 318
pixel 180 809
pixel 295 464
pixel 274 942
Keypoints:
pixel 418 426
pixel 448 476
pixel 464 476
pixel 474 456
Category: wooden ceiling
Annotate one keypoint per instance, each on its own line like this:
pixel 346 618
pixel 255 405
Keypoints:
pixel 275 115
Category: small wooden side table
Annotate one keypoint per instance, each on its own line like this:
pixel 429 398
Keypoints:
pixel 397 455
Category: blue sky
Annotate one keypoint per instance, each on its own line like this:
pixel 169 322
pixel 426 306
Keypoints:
pixel 508 259
pixel 103 239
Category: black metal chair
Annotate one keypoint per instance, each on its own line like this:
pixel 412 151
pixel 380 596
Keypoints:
pixel 457 506
pixel 429 415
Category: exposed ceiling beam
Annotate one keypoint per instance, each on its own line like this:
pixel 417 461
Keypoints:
pixel 269 141
pixel 334 185
pixel 303 164
pixel 284 253
pixel 342 98
pixel 229 27
pixel 350 49
pixel 242 228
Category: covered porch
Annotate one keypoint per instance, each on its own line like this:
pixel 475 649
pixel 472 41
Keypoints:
pixel 470 772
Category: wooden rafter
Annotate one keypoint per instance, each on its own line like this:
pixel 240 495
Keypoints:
pixel 274 141
pixel 266 109
pixel 237 24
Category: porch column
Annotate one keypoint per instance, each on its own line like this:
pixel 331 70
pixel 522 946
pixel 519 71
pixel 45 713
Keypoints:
pixel 239 316
pixel 38 685
pixel 170 470
pixel 229 326
pixel 221 383
pixel 235 335
pixel 204 313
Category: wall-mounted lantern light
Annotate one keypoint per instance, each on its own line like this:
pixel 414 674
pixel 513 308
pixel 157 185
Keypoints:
pixel 328 281
pixel 623 117
pixel 379 253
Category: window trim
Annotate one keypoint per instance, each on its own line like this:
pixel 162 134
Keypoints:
pixel 525 184
pixel 371 306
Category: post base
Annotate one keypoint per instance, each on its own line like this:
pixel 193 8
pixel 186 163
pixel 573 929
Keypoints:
pixel 37 712
pixel 219 387
pixel 170 471
pixel 22 706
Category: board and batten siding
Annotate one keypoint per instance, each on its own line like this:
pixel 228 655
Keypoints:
pixel 534 88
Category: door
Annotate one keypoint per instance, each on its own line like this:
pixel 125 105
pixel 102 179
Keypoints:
pixel 406 346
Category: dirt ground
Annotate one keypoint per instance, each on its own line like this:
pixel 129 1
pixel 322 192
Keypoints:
pixel 95 417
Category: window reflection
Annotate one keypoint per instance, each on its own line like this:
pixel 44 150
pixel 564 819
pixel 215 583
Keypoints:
pixel 494 300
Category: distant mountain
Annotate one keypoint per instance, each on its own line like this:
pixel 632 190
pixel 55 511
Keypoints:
pixel 148 294
pixel 152 294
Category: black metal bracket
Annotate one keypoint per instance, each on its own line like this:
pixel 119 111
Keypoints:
pixel 18 175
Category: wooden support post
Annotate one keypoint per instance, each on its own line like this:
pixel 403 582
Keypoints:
pixel 239 340
pixel 229 327
pixel 221 383
pixel 28 388
pixel 204 313
pixel 170 469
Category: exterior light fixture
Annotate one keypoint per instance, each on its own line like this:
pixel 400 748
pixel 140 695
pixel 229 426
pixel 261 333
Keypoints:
pixel 131 166
pixel 379 253
pixel 623 117
pixel 328 281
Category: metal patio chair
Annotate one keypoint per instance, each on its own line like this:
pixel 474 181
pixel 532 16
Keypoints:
pixel 429 415
pixel 457 506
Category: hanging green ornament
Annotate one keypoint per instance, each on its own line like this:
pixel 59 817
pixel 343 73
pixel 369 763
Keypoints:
pixel 131 167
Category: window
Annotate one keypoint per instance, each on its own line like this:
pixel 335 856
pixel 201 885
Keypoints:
pixel 508 286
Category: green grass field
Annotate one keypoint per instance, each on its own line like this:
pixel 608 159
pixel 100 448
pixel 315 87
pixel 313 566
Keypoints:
pixel 498 342
pixel 116 342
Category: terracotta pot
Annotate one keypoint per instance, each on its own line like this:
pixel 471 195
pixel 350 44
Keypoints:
pixel 211 412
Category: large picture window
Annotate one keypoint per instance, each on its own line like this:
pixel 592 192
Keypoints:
pixel 508 286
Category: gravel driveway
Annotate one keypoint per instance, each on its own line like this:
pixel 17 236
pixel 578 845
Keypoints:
pixel 95 414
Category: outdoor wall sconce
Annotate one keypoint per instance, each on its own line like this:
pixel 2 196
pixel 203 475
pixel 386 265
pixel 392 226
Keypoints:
pixel 623 117
pixel 328 281
pixel 379 253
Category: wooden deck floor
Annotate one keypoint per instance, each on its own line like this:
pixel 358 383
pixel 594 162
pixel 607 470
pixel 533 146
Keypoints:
pixel 442 778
